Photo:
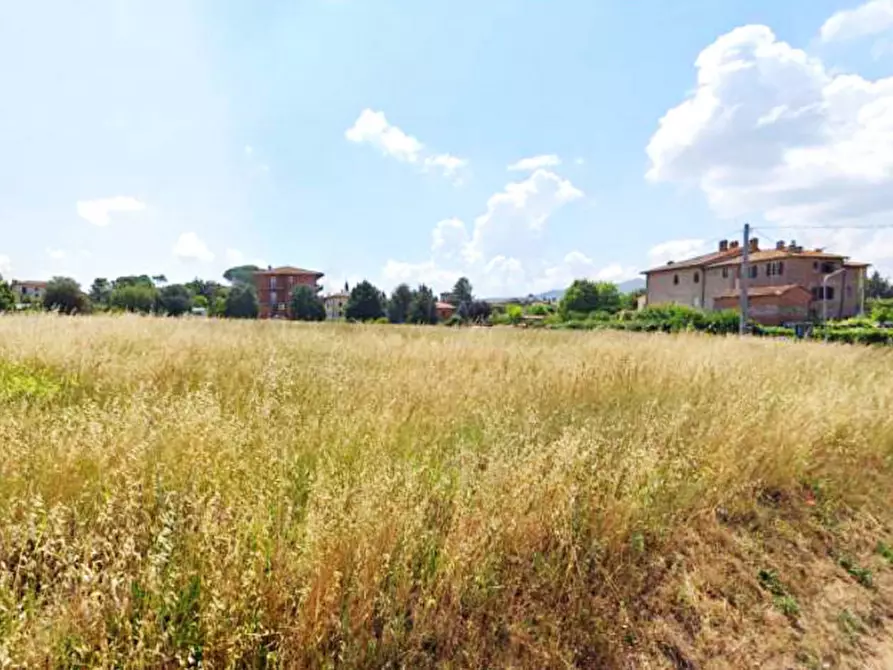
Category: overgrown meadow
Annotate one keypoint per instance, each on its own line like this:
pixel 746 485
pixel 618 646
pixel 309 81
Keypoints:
pixel 176 492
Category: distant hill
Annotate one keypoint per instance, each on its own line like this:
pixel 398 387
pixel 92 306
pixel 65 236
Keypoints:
pixel 624 287
pixel 627 286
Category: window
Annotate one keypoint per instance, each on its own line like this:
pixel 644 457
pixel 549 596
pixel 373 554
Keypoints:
pixel 827 268
pixel 752 271
pixel 775 269
pixel 815 266
pixel 272 282
pixel 829 293
pixel 675 279
pixel 817 293
pixel 725 273
pixel 697 277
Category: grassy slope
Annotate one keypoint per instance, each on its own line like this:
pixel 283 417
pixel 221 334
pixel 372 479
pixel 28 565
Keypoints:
pixel 254 493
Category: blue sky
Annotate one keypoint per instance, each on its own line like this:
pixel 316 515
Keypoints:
pixel 375 139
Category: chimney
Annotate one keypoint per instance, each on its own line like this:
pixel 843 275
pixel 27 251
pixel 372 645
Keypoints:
pixel 779 246
pixel 723 245
pixel 754 244
pixel 733 244
pixel 269 267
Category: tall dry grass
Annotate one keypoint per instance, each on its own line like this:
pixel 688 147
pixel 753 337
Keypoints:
pixel 252 494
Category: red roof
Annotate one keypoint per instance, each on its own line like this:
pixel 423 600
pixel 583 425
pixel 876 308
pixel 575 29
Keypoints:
pixel 697 261
pixel 762 291
pixel 30 284
pixel 289 270
pixel 780 254
pixel 444 305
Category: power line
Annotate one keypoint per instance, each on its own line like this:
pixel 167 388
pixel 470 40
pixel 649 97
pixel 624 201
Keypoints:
pixel 851 227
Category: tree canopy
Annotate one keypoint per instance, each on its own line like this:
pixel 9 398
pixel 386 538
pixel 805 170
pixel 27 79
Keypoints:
pixel 398 305
pixel 366 303
pixel 134 297
pixel 241 302
pixel 423 308
pixel 584 296
pixel 64 294
pixel 174 300
pixel 101 291
pixel 7 297
pixel 241 274
pixel 461 292
pixel 305 305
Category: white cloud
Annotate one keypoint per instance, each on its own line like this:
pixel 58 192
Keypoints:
pixel 427 272
pixel 5 266
pixel 515 216
pixel 676 250
pixel 372 127
pixel 872 18
pixel 449 238
pixel 770 131
pixel 577 265
pixel 99 212
pixel 535 163
pixel 190 246
pixel 56 254
pixel 502 253
pixel 450 165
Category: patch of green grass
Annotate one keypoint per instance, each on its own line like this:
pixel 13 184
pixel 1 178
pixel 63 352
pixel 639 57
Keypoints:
pixel 885 551
pixel 783 601
pixel 850 624
pixel 860 574
pixel 19 382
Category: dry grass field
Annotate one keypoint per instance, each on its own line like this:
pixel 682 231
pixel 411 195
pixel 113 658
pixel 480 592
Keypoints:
pixel 247 494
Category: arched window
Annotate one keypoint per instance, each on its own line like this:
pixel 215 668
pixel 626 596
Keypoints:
pixel 675 279
pixel 697 277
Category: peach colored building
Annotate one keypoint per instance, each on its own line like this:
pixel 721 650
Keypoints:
pixel 274 287
pixel 712 282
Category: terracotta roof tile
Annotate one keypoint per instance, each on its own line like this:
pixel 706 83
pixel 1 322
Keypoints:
pixel 779 254
pixel 289 270
pixel 697 261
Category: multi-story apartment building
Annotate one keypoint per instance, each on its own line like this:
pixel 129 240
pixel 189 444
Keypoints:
pixel 274 287
pixel 787 283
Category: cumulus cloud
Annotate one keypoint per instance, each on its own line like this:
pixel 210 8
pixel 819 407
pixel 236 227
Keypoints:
pixel 5 266
pixel 674 250
pixel 191 247
pixel 99 212
pixel 872 18
pixel 448 164
pixel 516 216
pixel 769 130
pixel 373 128
pixel 56 254
pixel 535 163
pixel 502 253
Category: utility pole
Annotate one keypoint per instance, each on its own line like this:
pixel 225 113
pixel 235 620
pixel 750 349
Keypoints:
pixel 742 281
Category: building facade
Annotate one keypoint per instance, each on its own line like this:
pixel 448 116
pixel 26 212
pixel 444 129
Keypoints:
pixel 28 291
pixel 274 287
pixel 828 284
pixel 335 304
